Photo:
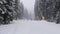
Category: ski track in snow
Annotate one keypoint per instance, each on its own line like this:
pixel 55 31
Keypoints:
pixel 30 27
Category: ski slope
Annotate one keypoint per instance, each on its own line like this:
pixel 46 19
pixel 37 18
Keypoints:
pixel 30 27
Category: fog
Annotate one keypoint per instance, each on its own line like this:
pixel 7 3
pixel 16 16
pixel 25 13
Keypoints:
pixel 29 4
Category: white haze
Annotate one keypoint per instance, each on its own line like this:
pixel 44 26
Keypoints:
pixel 29 4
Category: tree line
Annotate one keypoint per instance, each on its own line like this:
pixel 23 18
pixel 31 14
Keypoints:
pixel 49 9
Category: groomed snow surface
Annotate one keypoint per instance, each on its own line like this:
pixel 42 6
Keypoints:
pixel 30 27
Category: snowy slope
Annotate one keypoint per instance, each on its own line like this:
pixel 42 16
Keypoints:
pixel 30 27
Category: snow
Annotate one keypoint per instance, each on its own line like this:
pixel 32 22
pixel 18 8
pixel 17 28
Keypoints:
pixel 30 27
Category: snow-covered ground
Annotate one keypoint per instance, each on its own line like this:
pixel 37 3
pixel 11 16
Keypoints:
pixel 30 27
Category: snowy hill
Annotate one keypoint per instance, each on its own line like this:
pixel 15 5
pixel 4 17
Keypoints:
pixel 30 27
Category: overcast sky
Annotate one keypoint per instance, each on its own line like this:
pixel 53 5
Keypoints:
pixel 29 4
